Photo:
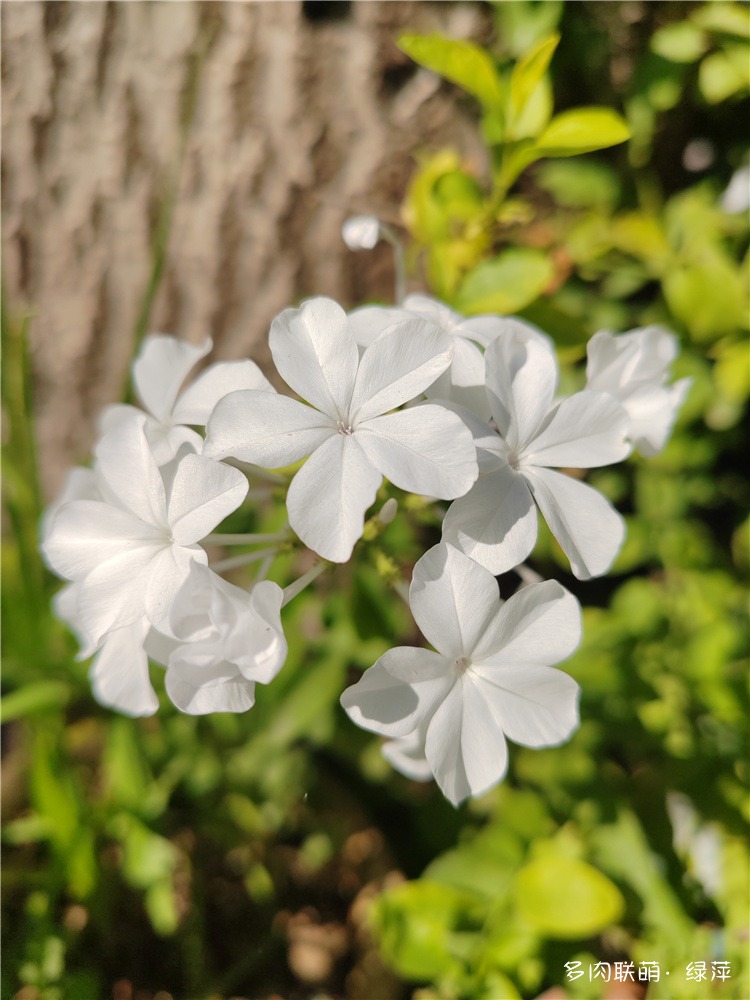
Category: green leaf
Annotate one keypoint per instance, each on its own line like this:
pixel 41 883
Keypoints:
pixel 147 858
pixel 53 792
pixel 505 284
pixel 42 696
pixel 724 18
pixel 416 922
pixel 424 212
pixel 581 131
pixel 732 373
pixel 564 898
pixel 460 61
pixel 725 73
pixel 623 849
pixel 579 184
pixel 682 42
pixel 525 79
pixel 161 907
pixel 708 298
pixel 126 775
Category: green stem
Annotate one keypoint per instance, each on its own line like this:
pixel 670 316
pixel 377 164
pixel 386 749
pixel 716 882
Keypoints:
pixel 217 538
pixel 298 586
pixel 245 559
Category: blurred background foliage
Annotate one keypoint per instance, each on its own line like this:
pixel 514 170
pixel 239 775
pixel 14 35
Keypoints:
pixel 277 854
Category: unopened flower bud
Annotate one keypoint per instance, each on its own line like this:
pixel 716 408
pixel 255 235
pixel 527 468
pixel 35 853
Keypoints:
pixel 388 511
pixel 361 232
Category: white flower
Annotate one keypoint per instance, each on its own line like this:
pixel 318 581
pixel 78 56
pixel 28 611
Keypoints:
pixel 131 550
pixel 463 382
pixel 496 522
pixel 347 431
pixel 236 641
pixel 633 367
pixel 407 755
pixel 158 372
pixel 361 232
pixel 491 676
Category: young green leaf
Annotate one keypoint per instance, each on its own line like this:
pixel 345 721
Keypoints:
pixel 581 131
pixel 505 284
pixel 458 60
pixel 526 78
pixel 563 898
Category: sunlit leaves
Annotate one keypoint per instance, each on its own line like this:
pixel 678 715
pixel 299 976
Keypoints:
pixel 458 60
pixel 506 283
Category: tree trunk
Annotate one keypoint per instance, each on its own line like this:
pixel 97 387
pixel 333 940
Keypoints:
pixel 186 168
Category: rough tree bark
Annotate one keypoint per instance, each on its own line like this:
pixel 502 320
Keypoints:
pixel 186 167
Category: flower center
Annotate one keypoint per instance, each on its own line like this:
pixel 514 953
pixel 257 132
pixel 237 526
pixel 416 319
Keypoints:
pixel 513 461
pixel 462 664
pixel 343 428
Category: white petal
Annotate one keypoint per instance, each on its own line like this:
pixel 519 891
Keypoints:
pixel 465 745
pixel 159 647
pixel 119 673
pixel 588 528
pixel 398 366
pixel 495 523
pixel 263 641
pixel 265 428
pixel 434 310
pixel 467 367
pixel 611 361
pixel 536 706
pixel 204 492
pixel 425 449
pixel 315 353
pixel 383 703
pixel 453 599
pixel 160 369
pixel 80 484
pixel 617 363
pixel 368 322
pixel 485 329
pixel 539 624
pixel 361 232
pixel 196 403
pixel 85 533
pixel 167 573
pixel 652 413
pixel 167 440
pixel 407 756
pixel 128 472
pixel 191 615
pixel 491 449
pixel 521 378
pixel 200 688
pixel 65 606
pixel 328 497
pixel 114 594
pixel 117 413
pixel 582 432
pixel 466 397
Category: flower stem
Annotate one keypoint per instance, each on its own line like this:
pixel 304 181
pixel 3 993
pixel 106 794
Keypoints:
pixel 398 262
pixel 298 586
pixel 264 567
pixel 243 560
pixel 217 538
pixel 527 575
pixel 402 589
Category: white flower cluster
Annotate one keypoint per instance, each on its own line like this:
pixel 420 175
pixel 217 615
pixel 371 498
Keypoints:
pixel 462 410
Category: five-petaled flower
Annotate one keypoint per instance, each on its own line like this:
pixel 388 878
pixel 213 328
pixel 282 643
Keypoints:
pixel 496 522
pixel 491 676
pixel 347 430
